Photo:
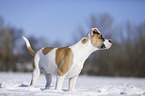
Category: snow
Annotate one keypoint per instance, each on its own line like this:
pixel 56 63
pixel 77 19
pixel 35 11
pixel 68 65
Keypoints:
pixel 17 84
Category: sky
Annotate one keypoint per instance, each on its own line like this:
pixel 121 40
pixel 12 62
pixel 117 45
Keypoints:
pixel 58 20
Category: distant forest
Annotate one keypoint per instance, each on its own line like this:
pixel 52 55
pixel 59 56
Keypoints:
pixel 126 57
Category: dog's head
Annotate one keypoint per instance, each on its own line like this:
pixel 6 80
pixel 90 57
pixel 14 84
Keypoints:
pixel 97 40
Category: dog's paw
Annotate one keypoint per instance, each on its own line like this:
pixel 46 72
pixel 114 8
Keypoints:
pixel 46 88
pixel 72 90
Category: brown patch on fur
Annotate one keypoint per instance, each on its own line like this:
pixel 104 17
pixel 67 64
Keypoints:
pixel 96 42
pixel 64 60
pixel 47 50
pixel 31 50
pixel 96 30
pixel 85 40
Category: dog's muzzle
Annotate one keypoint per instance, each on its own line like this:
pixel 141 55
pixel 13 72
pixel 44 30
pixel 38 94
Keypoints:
pixel 106 44
pixel 103 46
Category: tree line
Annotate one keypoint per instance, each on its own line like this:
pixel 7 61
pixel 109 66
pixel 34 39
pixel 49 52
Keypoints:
pixel 126 57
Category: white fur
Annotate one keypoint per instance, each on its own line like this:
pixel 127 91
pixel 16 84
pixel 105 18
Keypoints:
pixel 81 53
pixel 107 44
pixel 47 64
pixel 27 42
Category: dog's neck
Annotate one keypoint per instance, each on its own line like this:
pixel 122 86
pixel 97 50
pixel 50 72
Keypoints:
pixel 83 49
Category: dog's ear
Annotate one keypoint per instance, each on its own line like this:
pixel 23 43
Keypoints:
pixel 90 34
pixel 93 31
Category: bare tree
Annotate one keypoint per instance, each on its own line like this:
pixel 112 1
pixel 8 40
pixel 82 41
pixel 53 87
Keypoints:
pixel 8 38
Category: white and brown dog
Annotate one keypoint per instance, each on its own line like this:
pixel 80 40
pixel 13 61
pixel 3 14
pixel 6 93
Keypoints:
pixel 66 62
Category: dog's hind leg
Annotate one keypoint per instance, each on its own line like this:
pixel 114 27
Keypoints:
pixel 48 77
pixel 35 76
pixel 36 71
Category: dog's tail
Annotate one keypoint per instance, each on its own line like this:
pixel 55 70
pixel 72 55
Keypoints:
pixel 29 46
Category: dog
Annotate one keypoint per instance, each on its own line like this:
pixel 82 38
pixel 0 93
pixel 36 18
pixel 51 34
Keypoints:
pixel 66 62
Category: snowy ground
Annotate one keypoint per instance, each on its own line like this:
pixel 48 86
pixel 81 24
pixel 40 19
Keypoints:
pixel 16 84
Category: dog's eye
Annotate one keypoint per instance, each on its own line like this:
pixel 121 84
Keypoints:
pixel 94 32
pixel 101 37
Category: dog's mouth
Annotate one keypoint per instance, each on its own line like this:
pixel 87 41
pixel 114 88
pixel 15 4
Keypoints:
pixel 103 46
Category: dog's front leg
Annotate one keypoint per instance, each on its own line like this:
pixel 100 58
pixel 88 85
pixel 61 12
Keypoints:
pixel 59 82
pixel 72 82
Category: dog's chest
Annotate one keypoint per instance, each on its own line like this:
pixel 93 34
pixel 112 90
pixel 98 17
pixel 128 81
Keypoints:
pixel 81 53
pixel 77 65
pixel 74 70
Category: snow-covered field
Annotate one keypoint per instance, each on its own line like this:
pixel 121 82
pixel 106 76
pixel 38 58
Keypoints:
pixel 16 84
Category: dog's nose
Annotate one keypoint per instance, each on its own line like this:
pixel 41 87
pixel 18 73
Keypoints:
pixel 109 41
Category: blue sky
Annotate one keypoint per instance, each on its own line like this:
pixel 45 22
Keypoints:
pixel 59 19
